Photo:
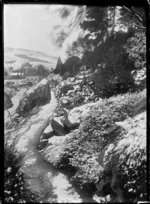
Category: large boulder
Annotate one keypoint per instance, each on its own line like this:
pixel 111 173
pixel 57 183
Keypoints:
pixel 58 126
pixel 73 118
pixel 67 123
pixel 7 101
pixel 54 150
pixel 48 132
pixel 139 107
pixel 36 95
pixel 122 153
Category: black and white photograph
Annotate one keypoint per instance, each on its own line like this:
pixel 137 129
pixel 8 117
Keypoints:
pixel 75 103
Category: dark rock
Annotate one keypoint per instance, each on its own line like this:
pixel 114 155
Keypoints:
pixel 58 126
pixel 48 132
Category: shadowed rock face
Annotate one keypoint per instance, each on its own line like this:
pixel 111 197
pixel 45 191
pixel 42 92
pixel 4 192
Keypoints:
pixel 7 101
pixel 58 127
pixel 36 95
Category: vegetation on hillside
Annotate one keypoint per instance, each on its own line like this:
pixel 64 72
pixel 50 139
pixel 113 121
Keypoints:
pixel 115 54
pixel 15 190
pixel 106 66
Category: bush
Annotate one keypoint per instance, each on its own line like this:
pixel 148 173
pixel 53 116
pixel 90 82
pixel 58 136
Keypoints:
pixel 64 89
pixel 136 48
pixel 14 185
pixel 92 136
pixel 129 159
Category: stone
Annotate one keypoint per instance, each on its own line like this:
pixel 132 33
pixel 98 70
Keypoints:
pixel 67 122
pixel 78 113
pixel 70 92
pixel 38 94
pixel 43 143
pixel 139 106
pixel 77 88
pixel 48 132
pixel 56 140
pixel 53 152
pixel 58 126
pixel 64 101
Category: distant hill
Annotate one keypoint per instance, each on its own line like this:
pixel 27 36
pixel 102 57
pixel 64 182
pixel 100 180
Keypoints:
pixel 15 57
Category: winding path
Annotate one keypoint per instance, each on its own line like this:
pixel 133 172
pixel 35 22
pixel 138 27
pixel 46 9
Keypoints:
pixel 41 178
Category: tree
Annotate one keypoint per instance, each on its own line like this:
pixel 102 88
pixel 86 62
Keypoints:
pixel 59 66
pixel 72 64
pixel 41 71
pixel 25 68
pixel 134 17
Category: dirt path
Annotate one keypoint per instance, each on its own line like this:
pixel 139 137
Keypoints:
pixel 48 183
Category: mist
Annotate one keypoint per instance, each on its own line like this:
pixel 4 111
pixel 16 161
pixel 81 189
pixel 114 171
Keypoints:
pixel 47 28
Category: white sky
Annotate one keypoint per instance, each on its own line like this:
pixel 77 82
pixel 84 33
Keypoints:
pixel 29 26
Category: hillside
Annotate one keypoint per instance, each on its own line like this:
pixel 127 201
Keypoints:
pixel 15 57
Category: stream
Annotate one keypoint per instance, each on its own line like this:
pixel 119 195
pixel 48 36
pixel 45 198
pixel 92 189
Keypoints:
pixel 49 184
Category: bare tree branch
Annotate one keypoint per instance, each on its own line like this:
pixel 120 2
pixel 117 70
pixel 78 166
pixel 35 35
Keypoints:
pixel 134 12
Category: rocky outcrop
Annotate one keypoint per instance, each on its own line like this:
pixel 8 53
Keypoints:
pixel 124 149
pixel 36 95
pixel 53 151
pixel 7 101
pixel 73 118
pixel 58 126
pixel 48 132
pixel 67 123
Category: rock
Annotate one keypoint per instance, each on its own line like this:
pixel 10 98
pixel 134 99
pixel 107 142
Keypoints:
pixel 76 114
pixel 7 101
pixel 70 92
pixel 67 122
pixel 79 81
pixel 48 132
pixel 53 153
pixel 141 105
pixel 64 101
pixel 125 150
pixel 58 126
pixel 77 88
pixel 56 140
pixel 72 79
pixel 81 77
pixel 104 187
pixel 43 143
pixel 36 95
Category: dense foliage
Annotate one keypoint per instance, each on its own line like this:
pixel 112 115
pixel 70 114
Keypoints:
pixel 136 47
pixel 130 159
pixel 92 136
pixel 29 70
pixel 14 185
pixel 115 53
